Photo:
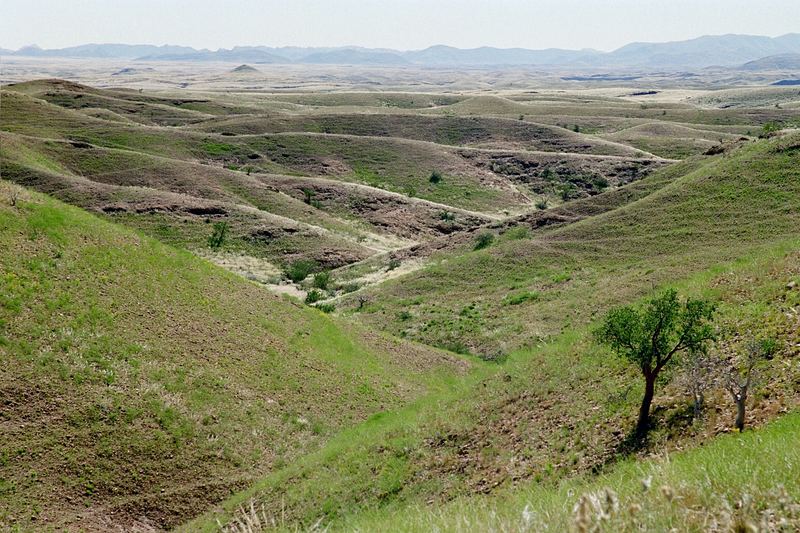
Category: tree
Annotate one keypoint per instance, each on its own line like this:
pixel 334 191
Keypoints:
pixel 742 378
pixel 435 177
pixel 217 237
pixel 701 372
pixel 651 337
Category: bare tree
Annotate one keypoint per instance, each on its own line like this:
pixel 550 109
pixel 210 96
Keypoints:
pixel 362 301
pixel 701 372
pixel 741 379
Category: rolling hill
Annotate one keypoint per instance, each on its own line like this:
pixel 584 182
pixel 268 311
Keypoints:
pixel 142 384
pixel 725 229
pixel 455 252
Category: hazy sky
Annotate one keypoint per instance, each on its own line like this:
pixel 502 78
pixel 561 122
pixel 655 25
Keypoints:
pixel 402 24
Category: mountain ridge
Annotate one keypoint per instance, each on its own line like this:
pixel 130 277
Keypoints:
pixel 702 52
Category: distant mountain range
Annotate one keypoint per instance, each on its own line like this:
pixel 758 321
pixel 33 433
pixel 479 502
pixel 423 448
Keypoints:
pixel 707 51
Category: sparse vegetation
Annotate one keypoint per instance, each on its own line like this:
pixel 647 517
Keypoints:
pixel 333 422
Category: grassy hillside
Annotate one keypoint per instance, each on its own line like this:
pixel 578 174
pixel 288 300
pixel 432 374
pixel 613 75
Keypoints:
pixel 143 384
pixel 448 130
pixel 730 203
pixel 561 406
pixel 729 484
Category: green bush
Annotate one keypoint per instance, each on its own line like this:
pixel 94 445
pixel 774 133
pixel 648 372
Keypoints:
pixel 447 216
pixel 770 128
pixel 322 280
pixel 326 308
pixel 313 296
pixel 517 233
pixel 484 240
pixel 300 269
pixel 393 263
pixel 349 287
pixel 541 203
pixel 217 237
pixel 436 177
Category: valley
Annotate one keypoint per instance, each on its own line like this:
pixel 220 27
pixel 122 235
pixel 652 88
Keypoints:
pixel 329 306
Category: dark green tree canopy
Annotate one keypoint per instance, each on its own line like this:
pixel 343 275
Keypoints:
pixel 651 336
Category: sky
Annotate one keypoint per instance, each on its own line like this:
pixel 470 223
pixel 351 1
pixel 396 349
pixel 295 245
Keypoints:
pixel 399 24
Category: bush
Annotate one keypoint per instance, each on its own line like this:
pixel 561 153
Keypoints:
pixel 322 279
pixel 313 296
pixel 393 263
pixel 300 269
pixel 567 191
pixel 517 233
pixel 217 238
pixel 770 128
pixel 326 308
pixel 447 216
pixel 484 240
pixel 404 315
pixel 599 182
pixel 436 177
pixel 350 287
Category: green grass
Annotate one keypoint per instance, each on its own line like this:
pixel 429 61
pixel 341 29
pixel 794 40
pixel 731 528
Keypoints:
pixel 714 213
pixel 736 481
pixel 519 422
pixel 144 380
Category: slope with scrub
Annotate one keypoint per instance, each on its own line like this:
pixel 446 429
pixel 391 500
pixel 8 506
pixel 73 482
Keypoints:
pixel 518 422
pixel 141 384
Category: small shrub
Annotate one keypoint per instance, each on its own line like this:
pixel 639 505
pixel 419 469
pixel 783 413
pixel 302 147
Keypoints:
pixel 217 237
pixel 447 216
pixel 599 183
pixel 326 308
pixel 322 280
pixel 349 287
pixel 308 198
pixel 542 204
pixel 770 128
pixel 435 177
pixel 404 315
pixel 313 296
pixel 567 191
pixel 484 240
pixel 393 263
pixel 300 269
pixel 517 233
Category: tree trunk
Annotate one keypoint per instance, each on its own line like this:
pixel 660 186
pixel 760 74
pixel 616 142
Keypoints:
pixel 740 406
pixel 699 400
pixel 644 411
